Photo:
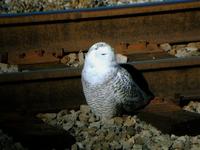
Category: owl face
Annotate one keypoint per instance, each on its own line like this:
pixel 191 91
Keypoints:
pixel 101 54
pixel 99 63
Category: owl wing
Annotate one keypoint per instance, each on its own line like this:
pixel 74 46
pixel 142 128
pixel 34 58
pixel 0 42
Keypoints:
pixel 131 97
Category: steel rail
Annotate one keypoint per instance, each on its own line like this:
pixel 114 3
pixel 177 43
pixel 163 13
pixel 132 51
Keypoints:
pixel 77 30
pixel 54 89
pixel 70 72
pixel 110 11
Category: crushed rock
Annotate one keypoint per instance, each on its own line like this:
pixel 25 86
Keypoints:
pixel 7 68
pixel 24 6
pixel 192 107
pixel 7 143
pixel 126 132
pixel 182 50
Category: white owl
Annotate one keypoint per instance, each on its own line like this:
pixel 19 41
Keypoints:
pixel 109 88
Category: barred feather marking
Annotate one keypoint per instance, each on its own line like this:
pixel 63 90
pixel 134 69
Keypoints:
pixel 111 90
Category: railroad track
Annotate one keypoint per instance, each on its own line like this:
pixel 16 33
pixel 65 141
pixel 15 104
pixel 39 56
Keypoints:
pixel 32 40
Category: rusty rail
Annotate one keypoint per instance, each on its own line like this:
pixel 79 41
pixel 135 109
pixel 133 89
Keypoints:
pixel 61 87
pixel 70 72
pixel 168 22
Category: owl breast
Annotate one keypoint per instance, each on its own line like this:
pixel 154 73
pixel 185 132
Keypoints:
pixel 116 94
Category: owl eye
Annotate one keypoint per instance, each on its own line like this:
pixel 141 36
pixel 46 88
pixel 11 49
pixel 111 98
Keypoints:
pixel 101 45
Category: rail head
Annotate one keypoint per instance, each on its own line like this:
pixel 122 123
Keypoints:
pixel 68 73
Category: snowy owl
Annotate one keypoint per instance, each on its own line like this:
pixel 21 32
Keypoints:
pixel 109 89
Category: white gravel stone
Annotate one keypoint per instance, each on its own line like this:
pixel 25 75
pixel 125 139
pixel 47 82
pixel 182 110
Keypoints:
pixel 165 46
pixel 194 44
pixel 121 58
pixel 68 125
pixel 192 107
pixel 185 50
pixel 182 53
pixel 191 49
pixel 129 121
pixel 179 142
pixel 46 117
pixel 6 68
pixel 85 109
pixel 81 57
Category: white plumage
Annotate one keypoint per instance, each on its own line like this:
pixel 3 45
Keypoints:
pixel 108 88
